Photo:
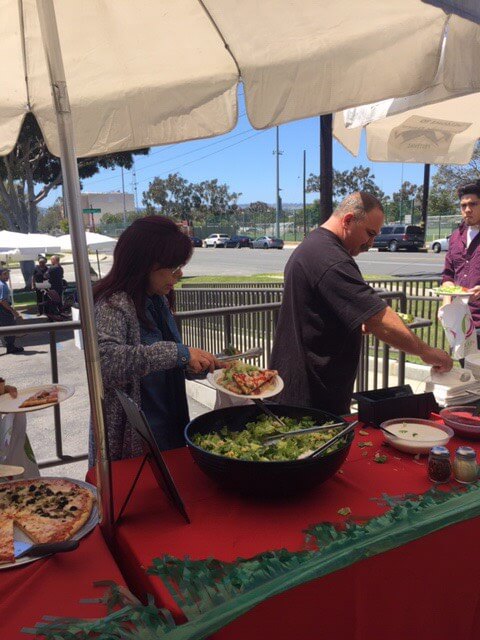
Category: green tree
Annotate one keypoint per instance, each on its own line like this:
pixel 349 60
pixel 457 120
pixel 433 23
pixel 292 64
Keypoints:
pixel 117 218
pixel 451 176
pixel 183 200
pixel 52 219
pixel 259 213
pixel 29 172
pixel 345 182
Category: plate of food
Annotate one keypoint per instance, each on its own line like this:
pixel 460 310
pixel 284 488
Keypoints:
pixel 244 380
pixel 35 398
pixel 43 511
pixel 451 290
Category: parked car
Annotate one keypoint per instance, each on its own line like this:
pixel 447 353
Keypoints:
pixel 440 245
pixel 267 242
pixel 197 242
pixel 216 240
pixel 239 241
pixel 399 236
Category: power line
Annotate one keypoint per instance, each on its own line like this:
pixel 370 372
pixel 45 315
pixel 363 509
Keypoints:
pixel 206 146
pixel 257 133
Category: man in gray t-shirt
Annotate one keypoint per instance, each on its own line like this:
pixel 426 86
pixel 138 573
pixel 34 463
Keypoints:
pixel 325 304
pixel 8 314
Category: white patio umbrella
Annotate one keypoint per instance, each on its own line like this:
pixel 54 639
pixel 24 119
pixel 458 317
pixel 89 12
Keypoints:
pixel 126 74
pixel 443 133
pixel 94 242
pixel 155 71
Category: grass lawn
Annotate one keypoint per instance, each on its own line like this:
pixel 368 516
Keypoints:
pixel 261 277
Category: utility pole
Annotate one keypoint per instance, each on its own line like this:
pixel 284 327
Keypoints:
pixel 134 183
pixel 426 189
pixel 326 168
pixel 124 207
pixel 304 193
pixel 401 196
pixel 278 153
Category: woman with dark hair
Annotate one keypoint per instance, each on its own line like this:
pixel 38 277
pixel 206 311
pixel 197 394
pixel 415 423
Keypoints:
pixel 140 348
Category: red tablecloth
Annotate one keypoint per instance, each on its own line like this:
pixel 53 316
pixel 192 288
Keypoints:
pixel 54 587
pixel 426 588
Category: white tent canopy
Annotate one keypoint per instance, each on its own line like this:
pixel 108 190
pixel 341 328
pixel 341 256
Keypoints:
pixel 31 243
pixel 95 242
pixel 155 71
pixel 443 133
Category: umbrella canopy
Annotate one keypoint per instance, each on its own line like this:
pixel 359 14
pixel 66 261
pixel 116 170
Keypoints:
pixel 443 133
pixel 155 71
pixel 95 242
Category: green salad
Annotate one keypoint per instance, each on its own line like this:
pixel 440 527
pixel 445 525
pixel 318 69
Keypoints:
pixel 448 289
pixel 408 318
pixel 248 443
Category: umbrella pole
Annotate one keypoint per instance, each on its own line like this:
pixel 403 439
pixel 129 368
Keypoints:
pixel 98 264
pixel 71 183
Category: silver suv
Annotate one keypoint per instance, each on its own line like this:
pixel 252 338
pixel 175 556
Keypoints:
pixel 216 240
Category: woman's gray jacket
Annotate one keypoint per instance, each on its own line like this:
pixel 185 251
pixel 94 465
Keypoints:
pixel 124 360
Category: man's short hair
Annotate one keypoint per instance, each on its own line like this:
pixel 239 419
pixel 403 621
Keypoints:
pixel 470 187
pixel 359 203
pixel 2 271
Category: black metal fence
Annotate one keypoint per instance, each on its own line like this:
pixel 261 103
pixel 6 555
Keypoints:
pixel 193 297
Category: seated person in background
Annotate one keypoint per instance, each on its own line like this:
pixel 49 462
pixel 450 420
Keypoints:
pixel 141 351
pixel 55 275
pixel 40 275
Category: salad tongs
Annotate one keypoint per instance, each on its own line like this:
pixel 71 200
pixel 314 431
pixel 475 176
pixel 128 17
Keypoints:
pixel 300 432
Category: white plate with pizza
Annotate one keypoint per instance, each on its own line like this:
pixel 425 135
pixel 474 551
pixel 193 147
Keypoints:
pixel 35 398
pixel 44 510
pixel 242 380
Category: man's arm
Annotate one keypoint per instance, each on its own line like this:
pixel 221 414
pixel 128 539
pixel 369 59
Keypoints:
pixel 9 308
pixel 388 327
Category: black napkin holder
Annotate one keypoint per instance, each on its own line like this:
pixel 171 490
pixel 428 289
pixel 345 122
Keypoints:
pixel 394 402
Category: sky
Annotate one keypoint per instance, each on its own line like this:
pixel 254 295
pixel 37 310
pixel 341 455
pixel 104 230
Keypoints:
pixel 244 159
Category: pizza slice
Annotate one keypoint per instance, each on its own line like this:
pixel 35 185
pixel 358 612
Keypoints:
pixel 44 396
pixel 251 383
pixel 7 553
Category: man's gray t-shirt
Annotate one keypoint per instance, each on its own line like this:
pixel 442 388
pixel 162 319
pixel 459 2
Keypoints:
pixel 318 335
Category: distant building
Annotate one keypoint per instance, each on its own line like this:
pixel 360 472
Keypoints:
pixel 103 203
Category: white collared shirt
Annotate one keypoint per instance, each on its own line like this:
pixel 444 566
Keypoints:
pixel 471 234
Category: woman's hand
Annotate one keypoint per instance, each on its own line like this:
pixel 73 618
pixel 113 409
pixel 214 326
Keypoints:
pixel 11 390
pixel 203 361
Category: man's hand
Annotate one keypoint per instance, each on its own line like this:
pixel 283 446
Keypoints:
pixel 438 359
pixel 203 361
pixel 475 293
pixel 11 390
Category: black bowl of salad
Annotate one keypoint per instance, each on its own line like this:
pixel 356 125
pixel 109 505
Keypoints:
pixel 228 445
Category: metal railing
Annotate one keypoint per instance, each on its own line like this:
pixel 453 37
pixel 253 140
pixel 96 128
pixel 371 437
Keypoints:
pixel 52 329
pixel 193 297
pixel 245 326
